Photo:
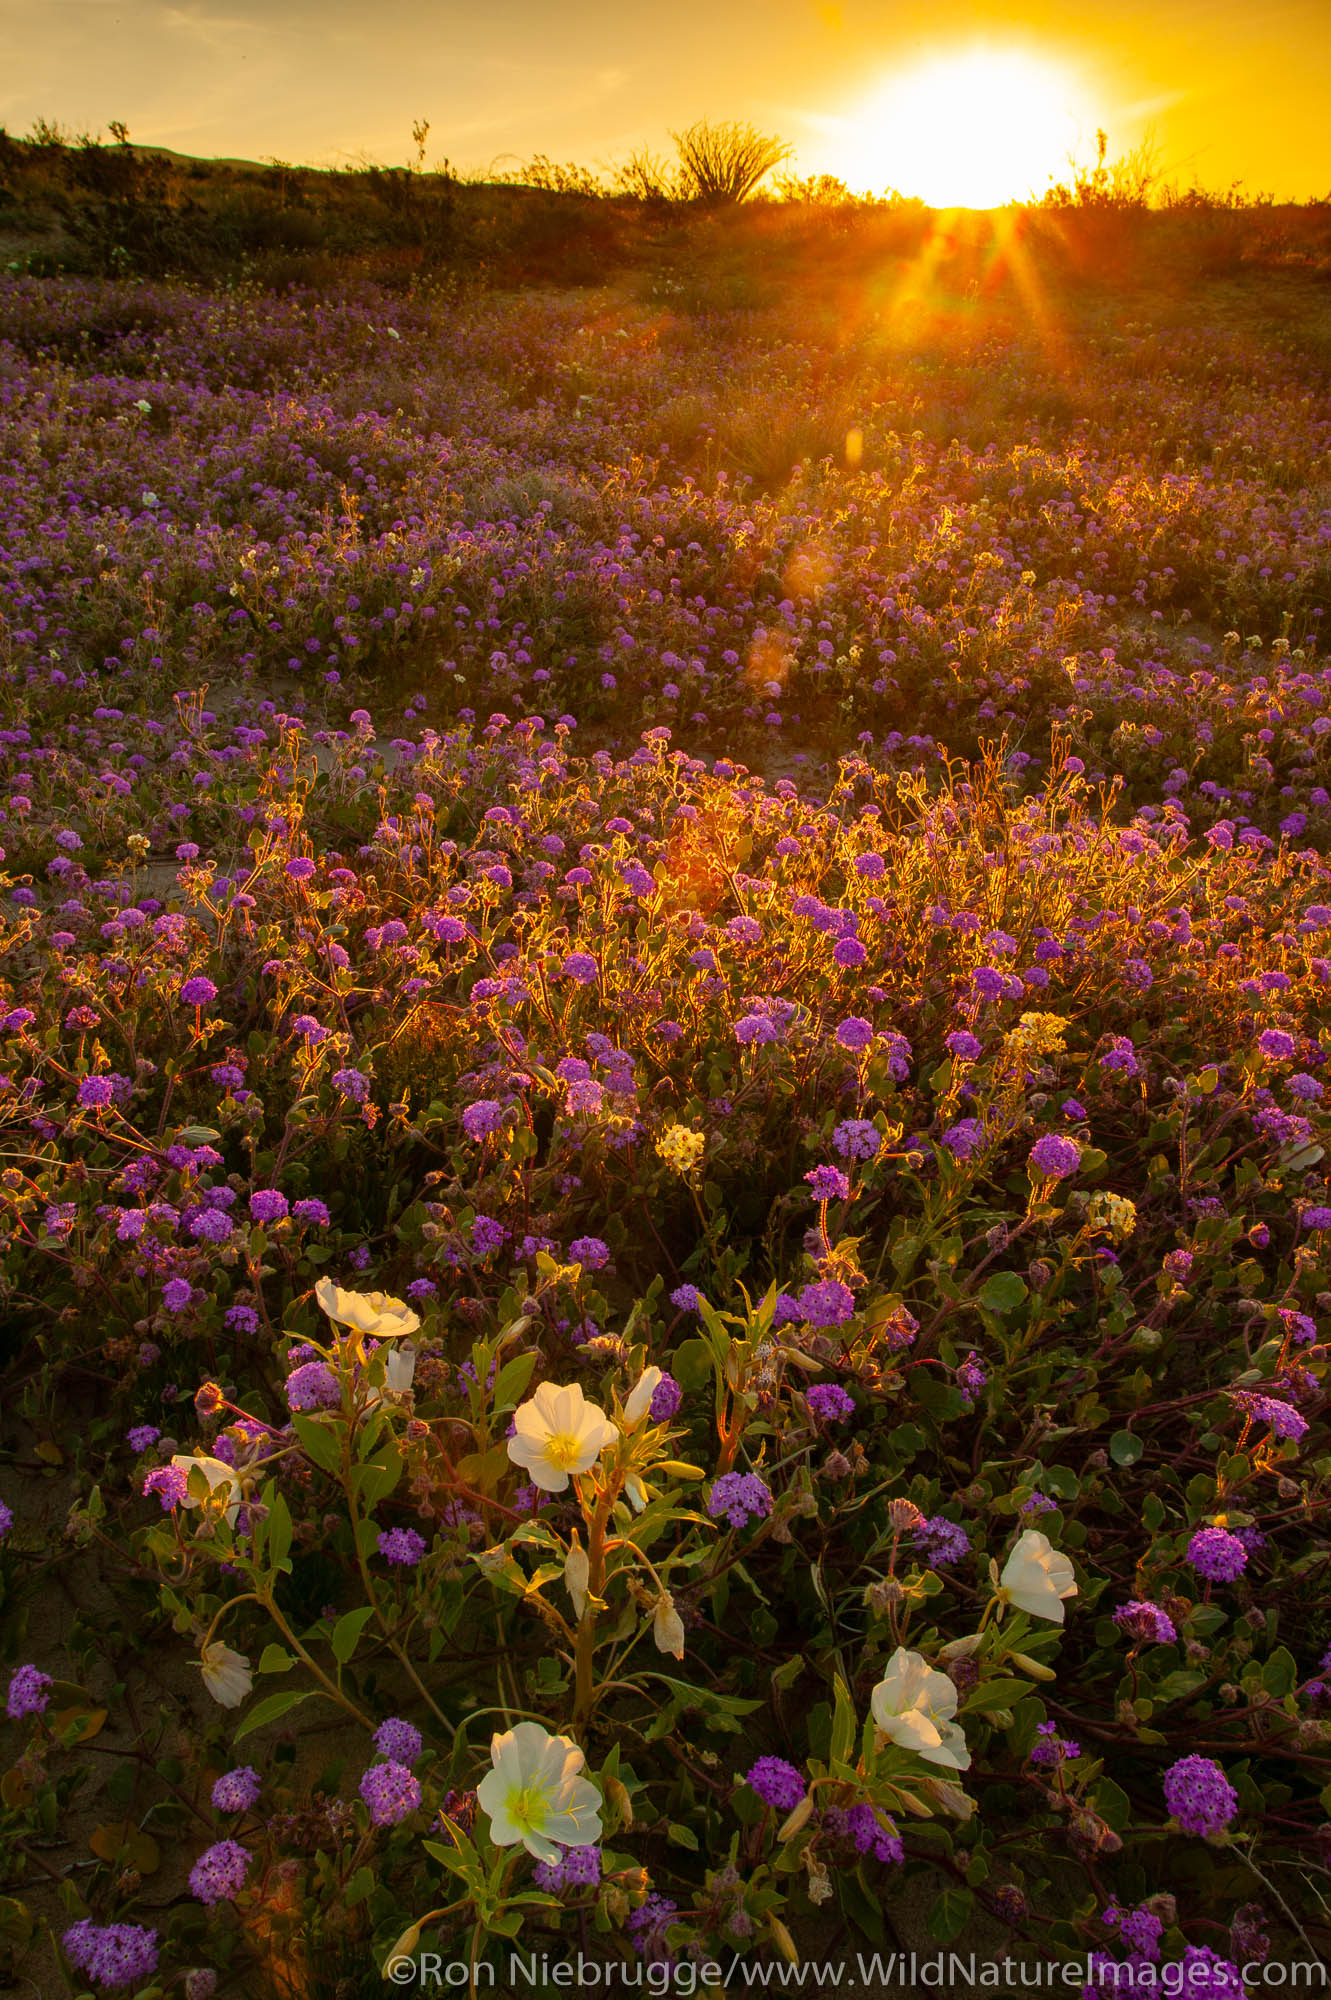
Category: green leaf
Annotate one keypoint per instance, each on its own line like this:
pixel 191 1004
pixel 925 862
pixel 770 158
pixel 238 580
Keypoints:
pixel 319 1442
pixel 995 1694
pixel 270 1708
pixel 949 1915
pixel 359 1887
pixel 1113 1804
pixel 843 1722
pixel 1280 1674
pixel 378 1476
pixel 692 1364
pixel 279 1531
pixel 682 1836
pixel 347 1631
pixel 513 1378
pixel 1003 1293
pixel 276 1660
pixel 1125 1447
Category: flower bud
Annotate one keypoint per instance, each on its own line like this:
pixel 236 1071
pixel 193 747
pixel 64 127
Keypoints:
pixel 668 1627
pixel 577 1570
pixel 791 1825
pixel 903 1516
pixel 208 1400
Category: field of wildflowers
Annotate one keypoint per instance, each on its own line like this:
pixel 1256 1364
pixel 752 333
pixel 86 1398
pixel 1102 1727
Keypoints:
pixel 666 1260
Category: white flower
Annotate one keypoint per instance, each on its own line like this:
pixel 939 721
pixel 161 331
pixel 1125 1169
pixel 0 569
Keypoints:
pixel 399 1373
pixel 150 499
pixel 218 1474
pixel 371 1314
pixel 640 1397
pixel 557 1433
pixel 534 1794
pixel 914 1705
pixel 668 1626
pixel 227 1676
pixel 1037 1577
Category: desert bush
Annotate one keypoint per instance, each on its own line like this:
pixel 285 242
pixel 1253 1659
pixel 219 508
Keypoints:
pixel 721 164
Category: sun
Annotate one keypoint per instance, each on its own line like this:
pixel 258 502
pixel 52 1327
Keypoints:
pixel 969 129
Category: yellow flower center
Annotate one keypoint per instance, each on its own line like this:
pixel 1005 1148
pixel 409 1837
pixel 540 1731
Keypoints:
pixel 563 1450
pixel 528 1807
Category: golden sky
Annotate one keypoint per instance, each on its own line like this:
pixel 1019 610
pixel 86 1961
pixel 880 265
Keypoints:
pixel 1235 89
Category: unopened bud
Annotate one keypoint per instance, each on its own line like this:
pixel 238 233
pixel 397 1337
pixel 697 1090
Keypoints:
pixel 903 1516
pixel 791 1825
pixel 883 1595
pixel 617 1797
pixel 1093 1832
pixel 668 1627
pixel 577 1571
pixel 1035 1668
pixel 208 1400
pixel 783 1941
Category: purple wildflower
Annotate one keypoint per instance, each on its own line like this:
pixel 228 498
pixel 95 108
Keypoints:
pixel 218 1876
pixel 390 1791
pixel 1199 1795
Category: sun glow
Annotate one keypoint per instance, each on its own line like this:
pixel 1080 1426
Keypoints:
pixel 973 129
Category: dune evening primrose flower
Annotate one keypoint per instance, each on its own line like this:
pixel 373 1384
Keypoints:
pixel 534 1793
pixel 374 1315
pixel 639 1401
pixel 914 1705
pixel 557 1433
pixel 1038 1578
pixel 221 1477
pixel 227 1676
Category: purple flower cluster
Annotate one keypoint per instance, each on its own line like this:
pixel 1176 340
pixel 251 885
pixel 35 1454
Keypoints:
pixel 237 1791
pixel 776 1782
pixel 1199 1795
pixel 1217 1555
pixel 576 1868
pixel 218 1876
pixel 112 1956
pixel 391 1793
pixel 400 1742
pixel 402 1546
pixel 739 1497
pixel 29 1692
